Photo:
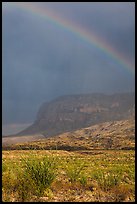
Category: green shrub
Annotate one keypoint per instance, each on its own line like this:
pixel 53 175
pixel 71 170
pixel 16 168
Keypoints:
pixel 42 171
pixel 74 169
pixel 83 180
pixel 106 180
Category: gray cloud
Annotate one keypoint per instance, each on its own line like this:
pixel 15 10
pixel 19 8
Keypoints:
pixel 114 21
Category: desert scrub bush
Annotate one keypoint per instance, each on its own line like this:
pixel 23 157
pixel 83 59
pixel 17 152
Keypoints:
pixel 74 170
pixel 106 180
pixel 27 178
pixel 83 180
pixel 42 171
pixel 125 172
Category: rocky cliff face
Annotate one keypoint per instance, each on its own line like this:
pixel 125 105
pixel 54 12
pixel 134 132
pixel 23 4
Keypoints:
pixel 73 112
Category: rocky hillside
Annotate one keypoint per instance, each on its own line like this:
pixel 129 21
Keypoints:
pixel 73 112
pixel 108 135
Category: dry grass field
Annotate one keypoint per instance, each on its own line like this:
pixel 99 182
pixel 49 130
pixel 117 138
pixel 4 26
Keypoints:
pixel 74 176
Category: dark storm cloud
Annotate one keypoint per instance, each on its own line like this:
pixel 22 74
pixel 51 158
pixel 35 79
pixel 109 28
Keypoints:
pixel 114 21
pixel 42 61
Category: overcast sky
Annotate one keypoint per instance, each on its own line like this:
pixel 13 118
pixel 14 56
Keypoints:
pixel 42 60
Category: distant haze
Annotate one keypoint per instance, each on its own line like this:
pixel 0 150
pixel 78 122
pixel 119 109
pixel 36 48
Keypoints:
pixel 42 60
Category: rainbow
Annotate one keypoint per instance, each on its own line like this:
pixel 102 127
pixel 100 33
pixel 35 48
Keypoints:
pixel 85 35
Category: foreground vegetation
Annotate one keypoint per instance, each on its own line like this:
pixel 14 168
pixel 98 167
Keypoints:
pixel 57 175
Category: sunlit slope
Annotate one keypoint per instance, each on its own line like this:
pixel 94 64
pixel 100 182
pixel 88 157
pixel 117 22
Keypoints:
pixel 108 135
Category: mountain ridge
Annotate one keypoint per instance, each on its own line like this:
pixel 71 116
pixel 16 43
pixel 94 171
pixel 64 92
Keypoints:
pixel 72 112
